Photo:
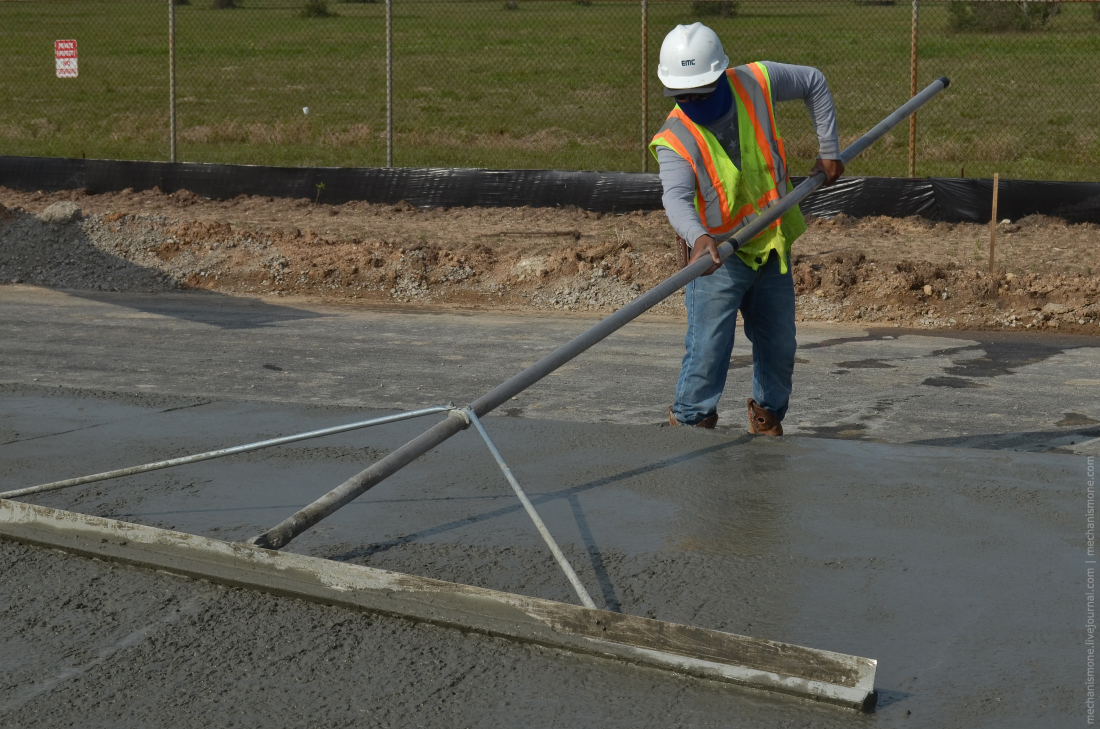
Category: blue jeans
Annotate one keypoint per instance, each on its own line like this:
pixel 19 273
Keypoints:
pixel 766 300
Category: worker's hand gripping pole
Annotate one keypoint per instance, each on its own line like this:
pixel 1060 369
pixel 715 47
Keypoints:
pixel 280 535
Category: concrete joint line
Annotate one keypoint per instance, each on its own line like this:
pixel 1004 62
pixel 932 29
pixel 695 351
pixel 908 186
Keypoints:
pixel 824 676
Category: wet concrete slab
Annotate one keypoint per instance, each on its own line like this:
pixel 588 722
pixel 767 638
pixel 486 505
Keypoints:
pixel 960 570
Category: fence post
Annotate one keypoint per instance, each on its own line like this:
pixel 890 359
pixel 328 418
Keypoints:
pixel 912 93
pixel 172 79
pixel 645 86
pixel 389 83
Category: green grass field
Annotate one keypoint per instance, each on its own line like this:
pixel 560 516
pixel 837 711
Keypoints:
pixel 550 84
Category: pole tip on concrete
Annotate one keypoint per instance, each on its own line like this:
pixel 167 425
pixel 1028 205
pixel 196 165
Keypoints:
pixel 273 539
pixel 260 540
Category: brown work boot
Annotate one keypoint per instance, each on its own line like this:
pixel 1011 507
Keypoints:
pixel 708 422
pixel 763 422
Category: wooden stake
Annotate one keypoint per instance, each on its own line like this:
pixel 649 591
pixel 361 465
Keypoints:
pixel 993 223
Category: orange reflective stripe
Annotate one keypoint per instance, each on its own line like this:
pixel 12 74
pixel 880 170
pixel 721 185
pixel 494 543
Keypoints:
pixel 727 227
pixel 747 210
pixel 673 142
pixel 761 138
pixel 767 197
pixel 678 147
pixel 758 72
pixel 708 162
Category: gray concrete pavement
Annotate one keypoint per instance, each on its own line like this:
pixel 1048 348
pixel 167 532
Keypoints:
pixel 956 569
pixel 1018 391
pixel 912 534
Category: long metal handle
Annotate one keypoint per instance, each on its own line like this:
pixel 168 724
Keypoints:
pixel 281 534
pixel 221 453
pixel 567 568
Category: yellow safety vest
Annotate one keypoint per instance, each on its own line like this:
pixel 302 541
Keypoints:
pixel 761 179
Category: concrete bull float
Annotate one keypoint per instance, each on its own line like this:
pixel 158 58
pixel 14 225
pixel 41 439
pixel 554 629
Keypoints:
pixel 755 663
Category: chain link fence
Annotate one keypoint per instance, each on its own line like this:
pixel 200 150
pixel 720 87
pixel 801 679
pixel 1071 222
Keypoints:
pixel 564 84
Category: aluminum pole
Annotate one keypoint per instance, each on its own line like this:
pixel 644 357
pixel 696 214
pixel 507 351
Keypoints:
pixel 567 568
pixel 221 453
pixel 281 534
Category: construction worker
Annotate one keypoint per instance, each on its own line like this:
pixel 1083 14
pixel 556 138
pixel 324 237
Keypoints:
pixel 722 161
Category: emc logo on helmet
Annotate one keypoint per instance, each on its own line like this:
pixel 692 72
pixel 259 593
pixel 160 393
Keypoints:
pixel 689 62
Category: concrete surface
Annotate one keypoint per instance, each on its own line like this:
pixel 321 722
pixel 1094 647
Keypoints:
pixel 686 650
pixel 1022 391
pixel 961 569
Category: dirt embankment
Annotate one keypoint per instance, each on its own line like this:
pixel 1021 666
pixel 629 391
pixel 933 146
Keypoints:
pixel 909 272
pixel 1043 276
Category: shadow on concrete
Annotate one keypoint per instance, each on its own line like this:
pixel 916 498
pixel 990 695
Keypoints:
pixel 1004 355
pixel 610 598
pixel 954 383
pixel 889 698
pixel 872 336
pixel 204 307
pixel 63 256
pixel 840 431
pixel 1005 352
pixel 866 364
pixel 1034 441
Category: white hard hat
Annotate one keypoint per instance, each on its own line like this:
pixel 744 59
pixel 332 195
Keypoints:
pixel 691 58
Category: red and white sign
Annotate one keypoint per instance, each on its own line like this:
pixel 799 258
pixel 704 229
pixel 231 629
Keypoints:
pixel 65 54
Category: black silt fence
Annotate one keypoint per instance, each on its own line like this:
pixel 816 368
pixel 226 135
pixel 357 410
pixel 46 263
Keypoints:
pixel 942 199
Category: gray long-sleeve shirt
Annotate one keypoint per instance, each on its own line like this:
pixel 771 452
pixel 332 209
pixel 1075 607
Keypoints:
pixel 788 83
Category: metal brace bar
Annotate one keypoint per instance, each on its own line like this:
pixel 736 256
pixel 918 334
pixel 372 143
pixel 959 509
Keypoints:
pixel 222 452
pixel 567 568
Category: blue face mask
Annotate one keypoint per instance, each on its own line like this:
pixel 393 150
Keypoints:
pixel 713 107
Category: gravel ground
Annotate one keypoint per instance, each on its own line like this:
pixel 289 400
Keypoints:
pixel 909 272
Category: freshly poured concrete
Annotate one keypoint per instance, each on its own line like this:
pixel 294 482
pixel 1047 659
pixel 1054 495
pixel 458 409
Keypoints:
pixel 961 569
pixel 957 570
